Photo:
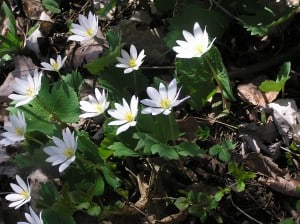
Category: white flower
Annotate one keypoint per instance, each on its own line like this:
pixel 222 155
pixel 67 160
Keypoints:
pixel 87 29
pixel 130 61
pixel 64 151
pixel 195 45
pixel 124 114
pixel 94 106
pixel 163 100
pixel 22 195
pixel 27 89
pixel 15 130
pixel 32 218
pixel 54 65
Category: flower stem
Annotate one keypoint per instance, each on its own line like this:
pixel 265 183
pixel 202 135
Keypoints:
pixel 172 128
pixel 34 139
pixel 219 84
pixel 135 82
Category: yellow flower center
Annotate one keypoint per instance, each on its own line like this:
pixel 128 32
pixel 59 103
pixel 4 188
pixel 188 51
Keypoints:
pixel 132 63
pixel 165 103
pixel 19 131
pixel 25 194
pixel 99 108
pixel 129 117
pixel 55 66
pixel 199 48
pixel 30 91
pixel 68 152
pixel 89 32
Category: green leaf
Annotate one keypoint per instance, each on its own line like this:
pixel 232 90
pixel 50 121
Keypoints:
pixel 98 65
pixel 189 149
pixel 282 78
pixel 56 215
pixel 94 211
pixel 74 80
pixel 224 155
pixel 78 197
pixel 48 194
pixel 54 105
pixel 288 221
pixel 240 186
pixel 99 187
pixel 219 195
pixel 110 177
pixel 215 150
pixel 196 81
pixel 51 5
pixel 182 203
pixel 120 150
pixel 88 148
pixel 164 151
pixel 12 21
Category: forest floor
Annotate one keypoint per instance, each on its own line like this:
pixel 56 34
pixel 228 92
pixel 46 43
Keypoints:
pixel 270 197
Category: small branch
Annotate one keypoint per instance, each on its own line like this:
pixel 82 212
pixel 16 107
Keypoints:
pixel 244 213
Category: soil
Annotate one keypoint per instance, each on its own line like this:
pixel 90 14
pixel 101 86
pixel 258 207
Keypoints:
pixel 153 183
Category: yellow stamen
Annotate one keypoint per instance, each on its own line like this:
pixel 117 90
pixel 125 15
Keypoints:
pixel 68 152
pixel 132 63
pixel 99 108
pixel 129 117
pixel 25 194
pixel 199 48
pixel 19 131
pixel 55 66
pixel 30 91
pixel 165 103
pixel 89 32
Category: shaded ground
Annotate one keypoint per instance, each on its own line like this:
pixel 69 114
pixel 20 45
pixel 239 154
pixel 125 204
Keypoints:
pixel 154 183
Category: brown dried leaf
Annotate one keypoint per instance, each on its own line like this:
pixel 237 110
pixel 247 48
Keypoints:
pixel 251 94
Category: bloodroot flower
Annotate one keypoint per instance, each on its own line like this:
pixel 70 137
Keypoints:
pixel 32 218
pixel 86 29
pixel 21 195
pixel 195 45
pixel 130 61
pixel 64 151
pixel 94 106
pixel 163 100
pixel 27 89
pixel 124 114
pixel 55 65
pixel 15 130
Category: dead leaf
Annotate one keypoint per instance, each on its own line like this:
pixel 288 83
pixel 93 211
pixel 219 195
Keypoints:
pixel 189 126
pixel 33 9
pixel 251 94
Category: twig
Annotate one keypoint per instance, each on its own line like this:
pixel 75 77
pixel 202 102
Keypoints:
pixel 216 121
pixel 244 213
pixel 141 212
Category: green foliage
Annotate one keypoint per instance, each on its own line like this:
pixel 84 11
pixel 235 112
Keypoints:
pixel 74 80
pixel 222 150
pixel 203 132
pixel 282 78
pixel 10 44
pixel 51 5
pixel 202 205
pixel 48 195
pixel 200 77
pixel 240 175
pixel 120 150
pixel 288 221
pixel 56 215
pixel 49 108
pixel 149 145
pixel 98 65
pixel 259 17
